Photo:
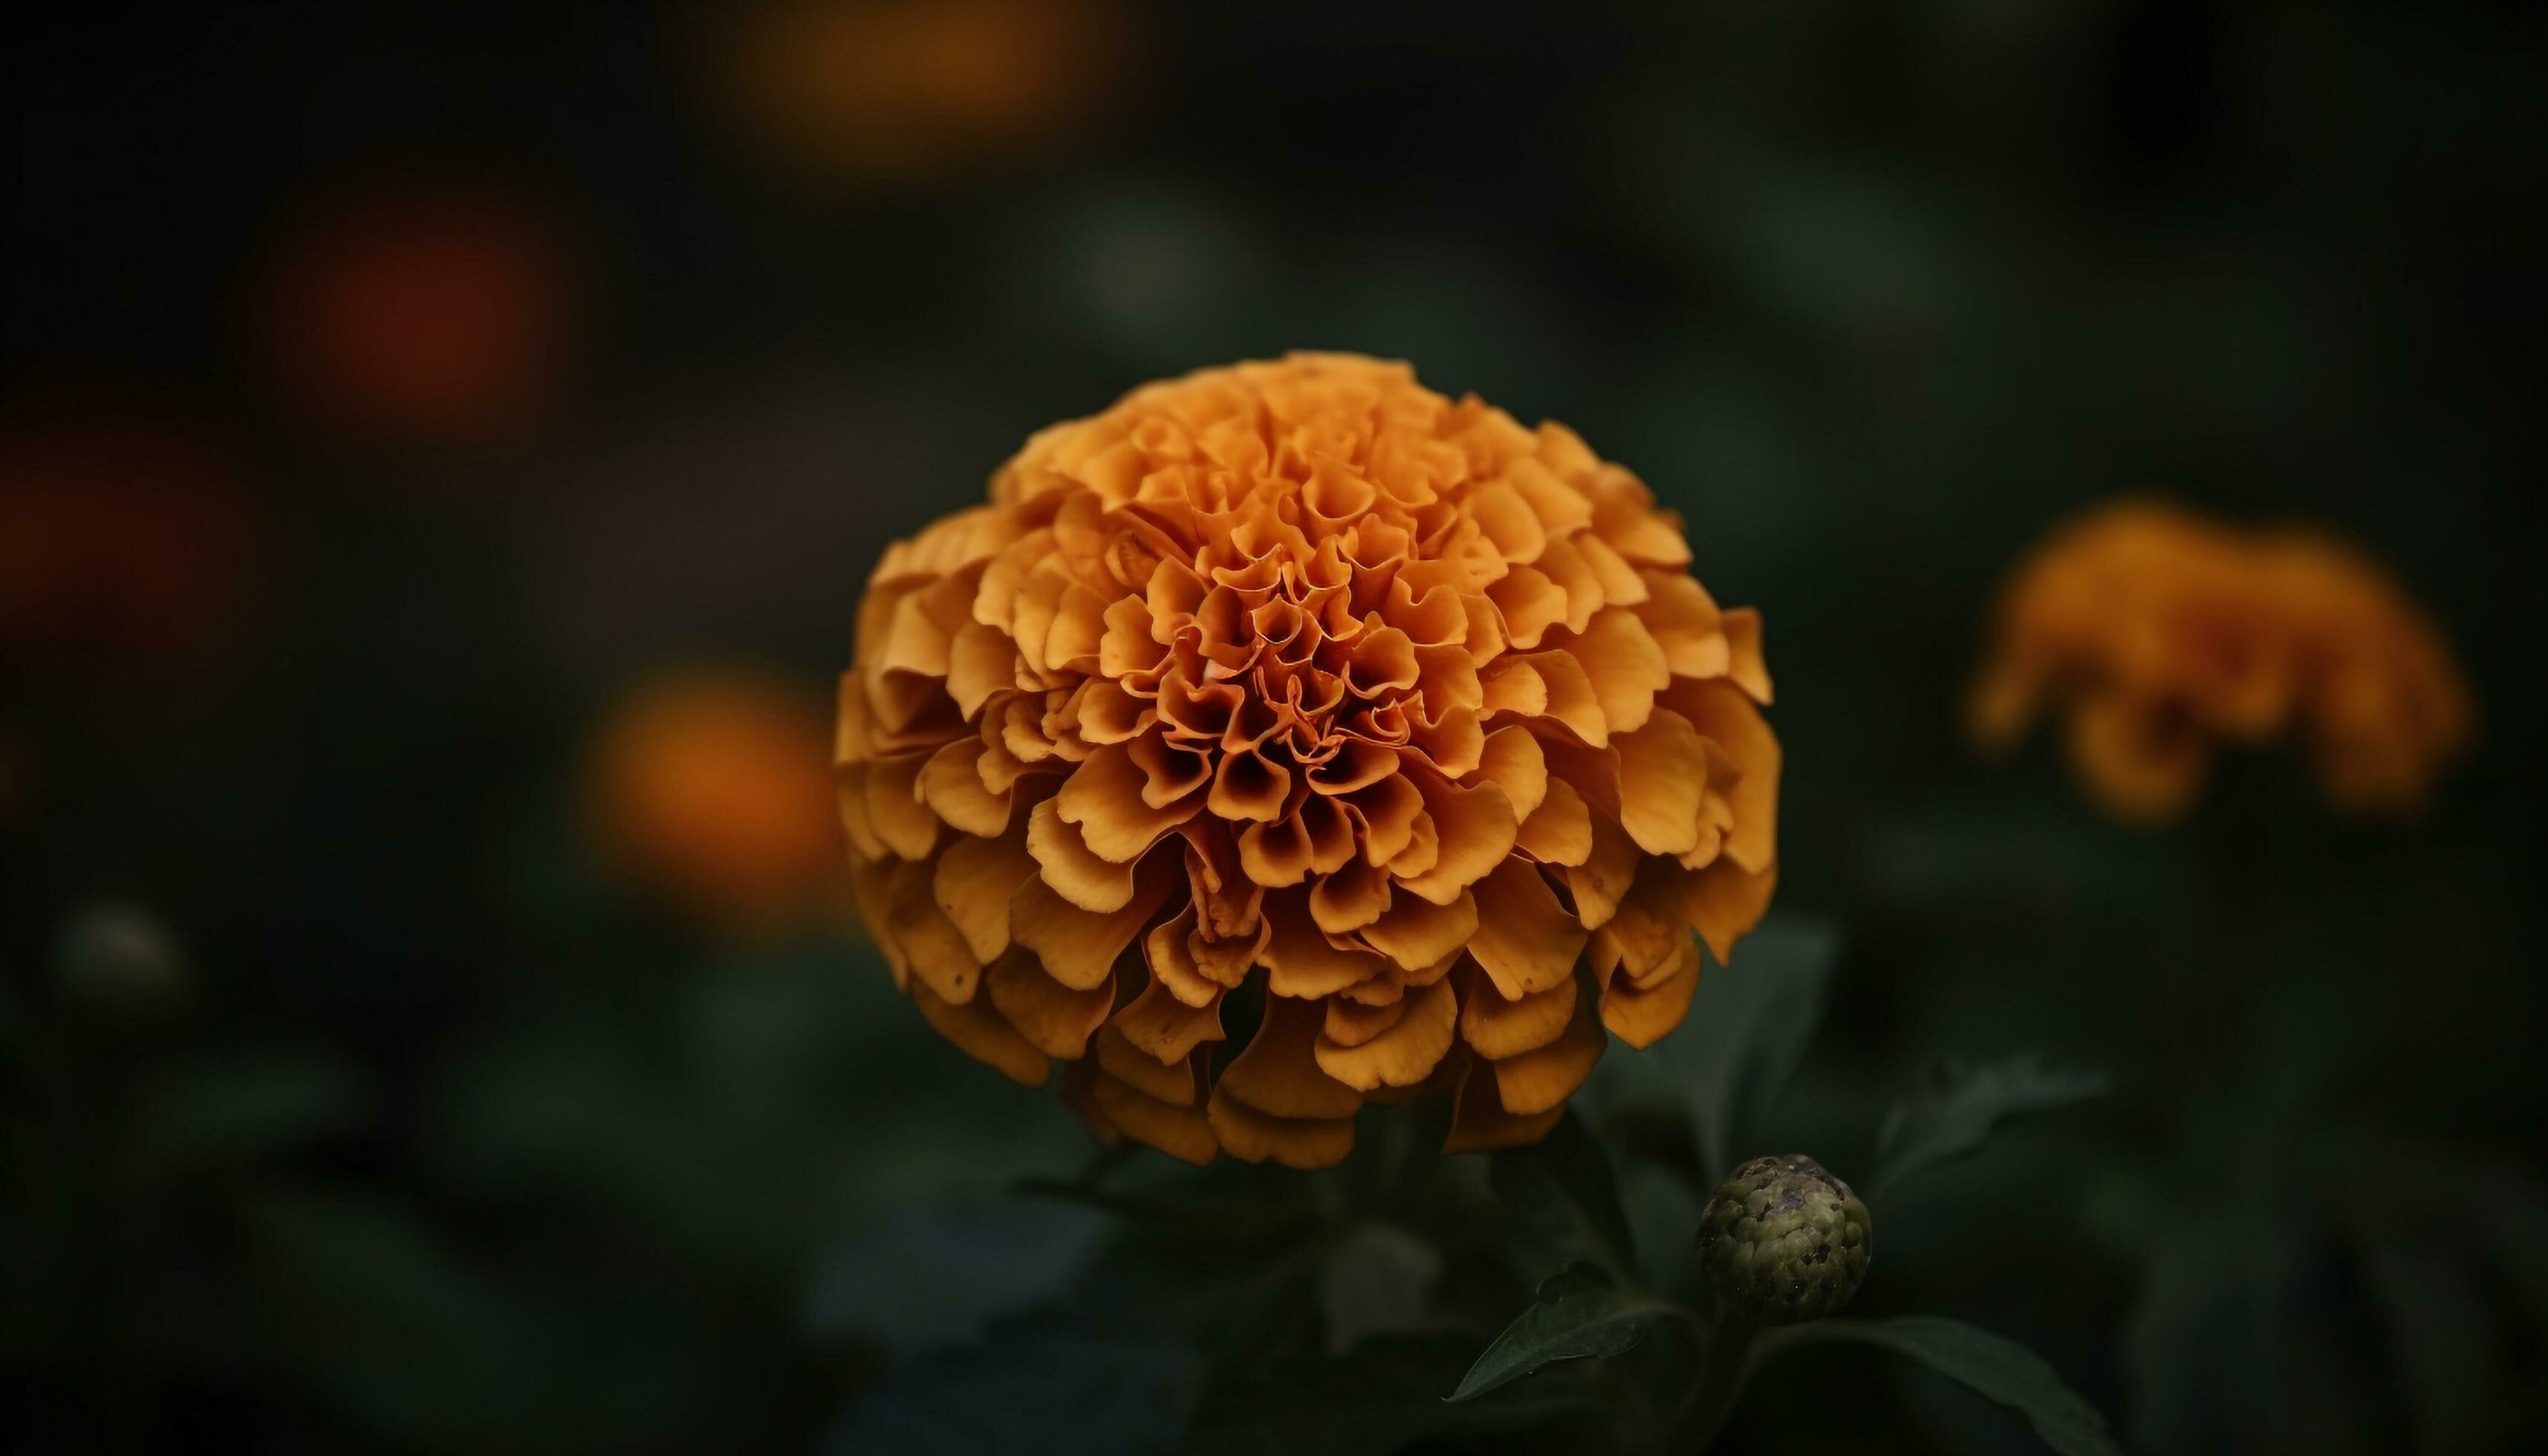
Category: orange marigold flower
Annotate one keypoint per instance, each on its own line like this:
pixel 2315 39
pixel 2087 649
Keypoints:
pixel 2162 634
pixel 1302 666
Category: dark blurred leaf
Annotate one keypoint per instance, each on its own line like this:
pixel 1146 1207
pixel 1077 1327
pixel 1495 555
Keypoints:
pixel 13 1036
pixel 1996 1368
pixel 1578 1314
pixel 2512 1212
pixel 1041 1383
pixel 1748 1027
pixel 2229 1345
pixel 1216 1217
pixel 2442 1331
pixel 2442 1245
pixel 1234 1300
pixel 1663 1214
pixel 236 1108
pixel 1953 1115
pixel 1377 1279
pixel 1562 1192
pixel 1379 1398
pixel 415 1342
pixel 932 1267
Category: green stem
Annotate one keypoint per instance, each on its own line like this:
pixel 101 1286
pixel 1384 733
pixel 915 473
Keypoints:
pixel 1721 1372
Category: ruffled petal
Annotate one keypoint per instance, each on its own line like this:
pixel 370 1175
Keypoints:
pixel 1078 947
pixel 1525 940
pixel 1279 1073
pixel 1295 1143
pixel 1496 1026
pixel 1662 776
pixel 1474 829
pixel 1643 1017
pixel 1302 962
pixel 1182 1133
pixel 1479 1122
pixel 1056 1020
pixel 1163 1027
pixel 1540 1080
pixel 1416 933
pixel 1560 830
pixel 972 883
pixel 984 1034
pixel 1405 1054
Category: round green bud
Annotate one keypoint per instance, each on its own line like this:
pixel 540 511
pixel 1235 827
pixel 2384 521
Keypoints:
pixel 1784 1241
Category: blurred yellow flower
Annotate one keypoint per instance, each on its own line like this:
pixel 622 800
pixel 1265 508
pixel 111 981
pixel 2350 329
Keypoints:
pixel 710 788
pixel 896 88
pixel 1302 666
pixel 2162 634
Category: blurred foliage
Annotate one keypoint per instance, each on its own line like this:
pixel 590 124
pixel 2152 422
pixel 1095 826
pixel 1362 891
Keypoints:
pixel 351 1097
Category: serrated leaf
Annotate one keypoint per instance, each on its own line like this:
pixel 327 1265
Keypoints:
pixel 1961 1107
pixel 1578 1313
pixel 1991 1366
pixel 1748 1027
pixel 1561 1191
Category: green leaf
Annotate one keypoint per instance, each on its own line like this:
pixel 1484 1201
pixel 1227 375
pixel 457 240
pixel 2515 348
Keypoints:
pixel 1561 1191
pixel 1578 1313
pixel 1748 1027
pixel 1997 1369
pixel 416 1340
pixel 1953 1115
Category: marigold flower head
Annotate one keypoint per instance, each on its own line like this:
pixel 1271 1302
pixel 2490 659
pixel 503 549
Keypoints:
pixel 1301 666
pixel 2162 634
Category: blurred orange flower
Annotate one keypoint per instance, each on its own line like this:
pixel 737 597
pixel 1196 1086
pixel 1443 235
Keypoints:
pixel 882 88
pixel 2162 634
pixel 711 787
pixel 438 315
pixel 1303 666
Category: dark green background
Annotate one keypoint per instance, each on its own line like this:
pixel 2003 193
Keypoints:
pixel 453 1145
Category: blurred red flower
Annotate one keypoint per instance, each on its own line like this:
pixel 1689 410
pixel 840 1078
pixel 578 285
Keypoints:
pixel 437 315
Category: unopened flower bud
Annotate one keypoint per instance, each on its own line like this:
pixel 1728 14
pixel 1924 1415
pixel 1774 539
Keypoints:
pixel 1783 1241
